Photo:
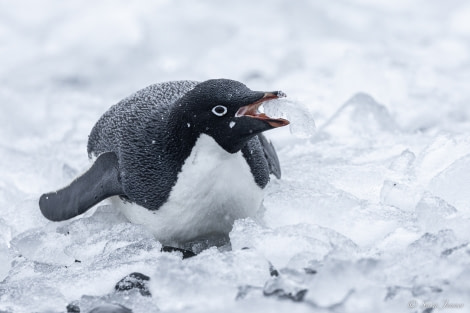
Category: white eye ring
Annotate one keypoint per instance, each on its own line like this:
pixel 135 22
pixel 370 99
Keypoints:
pixel 219 110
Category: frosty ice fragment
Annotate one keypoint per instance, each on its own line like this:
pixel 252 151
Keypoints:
pixel 301 120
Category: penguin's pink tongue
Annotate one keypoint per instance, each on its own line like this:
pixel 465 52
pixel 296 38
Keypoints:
pixel 251 110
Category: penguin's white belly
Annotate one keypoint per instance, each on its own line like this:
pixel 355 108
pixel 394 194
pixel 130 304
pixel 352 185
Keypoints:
pixel 214 188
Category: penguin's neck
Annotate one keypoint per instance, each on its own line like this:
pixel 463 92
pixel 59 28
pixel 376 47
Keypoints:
pixel 181 135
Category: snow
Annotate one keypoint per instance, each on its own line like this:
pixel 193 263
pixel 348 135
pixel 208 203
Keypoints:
pixel 373 209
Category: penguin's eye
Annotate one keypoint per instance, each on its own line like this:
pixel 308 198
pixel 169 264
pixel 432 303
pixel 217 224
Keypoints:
pixel 219 110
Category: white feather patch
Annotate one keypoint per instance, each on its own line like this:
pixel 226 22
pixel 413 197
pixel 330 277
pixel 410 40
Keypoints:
pixel 214 188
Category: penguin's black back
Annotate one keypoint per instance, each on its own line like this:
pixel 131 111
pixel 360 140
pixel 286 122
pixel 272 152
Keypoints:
pixel 136 130
pixel 131 116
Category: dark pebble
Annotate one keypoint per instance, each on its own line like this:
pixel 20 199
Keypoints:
pixel 134 281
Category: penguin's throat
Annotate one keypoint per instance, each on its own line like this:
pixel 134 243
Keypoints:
pixel 180 139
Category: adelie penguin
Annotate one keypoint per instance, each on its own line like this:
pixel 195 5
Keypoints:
pixel 183 158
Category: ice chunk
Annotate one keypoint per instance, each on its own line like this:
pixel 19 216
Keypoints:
pixel 23 215
pixel 302 124
pixel 360 117
pixel 284 288
pixel 44 247
pixel 106 234
pixel 111 308
pixel 404 162
pixel 5 255
pixel 433 213
pixel 433 243
pixel 114 302
pixel 335 281
pixel 121 243
pixel 440 154
pixel 307 197
pixel 5 261
pixel 398 189
pixel 453 185
pixel 214 278
pixel 397 240
pixel 399 195
pixel 31 296
pixel 290 245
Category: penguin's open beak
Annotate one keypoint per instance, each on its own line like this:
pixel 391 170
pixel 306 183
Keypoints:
pixel 251 110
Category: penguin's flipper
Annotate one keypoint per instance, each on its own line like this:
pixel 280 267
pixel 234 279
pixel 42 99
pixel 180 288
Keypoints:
pixel 271 156
pixel 98 183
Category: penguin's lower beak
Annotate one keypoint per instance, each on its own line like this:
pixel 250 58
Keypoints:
pixel 251 110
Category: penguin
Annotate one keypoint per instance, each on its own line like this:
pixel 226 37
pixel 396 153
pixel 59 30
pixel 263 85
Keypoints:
pixel 184 158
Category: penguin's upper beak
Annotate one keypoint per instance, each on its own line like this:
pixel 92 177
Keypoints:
pixel 251 110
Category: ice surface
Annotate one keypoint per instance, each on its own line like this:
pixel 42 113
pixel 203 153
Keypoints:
pixel 371 214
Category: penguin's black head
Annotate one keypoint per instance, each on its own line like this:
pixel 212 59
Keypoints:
pixel 227 111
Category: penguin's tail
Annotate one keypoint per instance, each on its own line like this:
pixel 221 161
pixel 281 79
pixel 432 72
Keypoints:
pixel 98 183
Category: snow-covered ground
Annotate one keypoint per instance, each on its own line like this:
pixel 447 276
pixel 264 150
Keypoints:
pixel 372 213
